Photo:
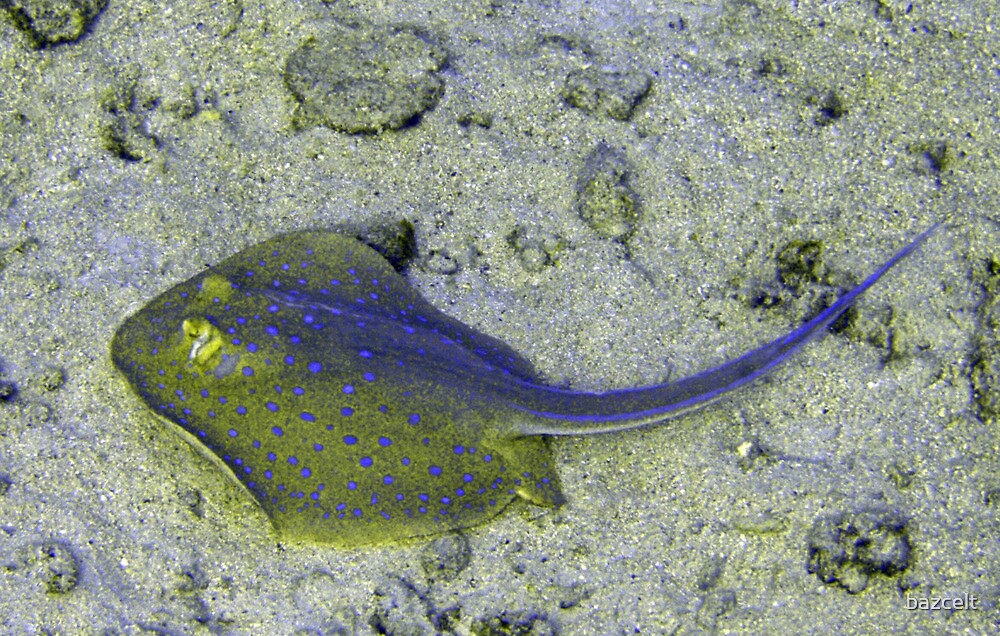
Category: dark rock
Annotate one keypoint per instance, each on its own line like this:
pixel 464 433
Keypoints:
pixel 124 122
pixel 513 623
pixel 365 79
pixel 847 549
pixel 402 609
pixel 396 242
pixel 986 353
pixel 49 22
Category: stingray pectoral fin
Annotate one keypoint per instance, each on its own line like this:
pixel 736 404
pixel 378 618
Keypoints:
pixel 534 476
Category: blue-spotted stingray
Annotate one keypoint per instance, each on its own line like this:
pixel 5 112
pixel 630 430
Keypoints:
pixel 356 413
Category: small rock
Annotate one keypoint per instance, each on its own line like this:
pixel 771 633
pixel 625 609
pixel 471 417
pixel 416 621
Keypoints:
pixel 193 579
pixel 443 559
pixel 716 604
pixel 606 93
pixel 8 391
pixel 52 378
pixel 57 566
pixel 477 118
pixel 402 609
pixel 535 253
pixel 771 67
pixel 901 474
pixel 17 252
pixel 935 158
pixel 448 256
pixel 35 414
pixel 320 608
pixel 570 596
pixel 711 572
pixel 605 200
pixel 191 498
pixel 801 263
pixel 830 107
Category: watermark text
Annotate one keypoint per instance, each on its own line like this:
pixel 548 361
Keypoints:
pixel 964 602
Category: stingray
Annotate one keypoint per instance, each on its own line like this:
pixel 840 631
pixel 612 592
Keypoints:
pixel 356 413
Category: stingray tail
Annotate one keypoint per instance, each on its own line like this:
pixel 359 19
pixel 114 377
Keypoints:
pixel 554 411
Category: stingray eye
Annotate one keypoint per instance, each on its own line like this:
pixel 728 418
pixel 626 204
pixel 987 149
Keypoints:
pixel 205 337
